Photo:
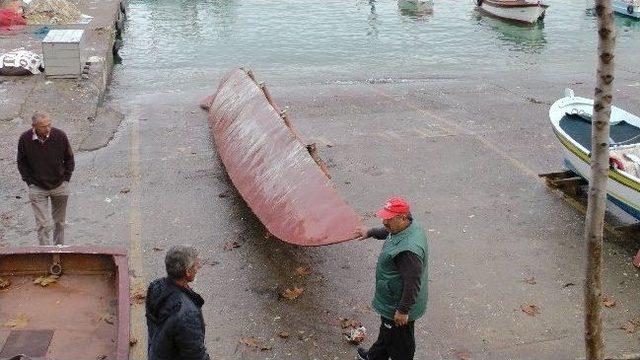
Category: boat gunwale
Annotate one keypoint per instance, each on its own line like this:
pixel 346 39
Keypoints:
pixel 120 261
pixel 500 4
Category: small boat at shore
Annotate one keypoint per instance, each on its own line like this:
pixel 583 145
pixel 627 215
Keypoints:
pixel 415 5
pixel 571 120
pixel 513 10
pixel 627 7
pixel 64 303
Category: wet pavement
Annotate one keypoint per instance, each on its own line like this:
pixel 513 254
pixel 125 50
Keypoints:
pixel 465 150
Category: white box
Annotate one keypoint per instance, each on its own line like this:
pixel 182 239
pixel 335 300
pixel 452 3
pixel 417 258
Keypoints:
pixel 62 52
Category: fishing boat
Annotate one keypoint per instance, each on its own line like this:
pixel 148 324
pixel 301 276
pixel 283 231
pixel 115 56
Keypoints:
pixel 276 171
pixel 64 303
pixel 514 10
pixel 415 5
pixel 571 120
pixel 627 7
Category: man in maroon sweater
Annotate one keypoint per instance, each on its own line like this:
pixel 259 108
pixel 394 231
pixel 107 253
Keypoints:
pixel 45 162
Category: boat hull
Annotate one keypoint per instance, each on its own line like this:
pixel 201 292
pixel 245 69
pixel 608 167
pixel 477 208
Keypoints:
pixel 272 168
pixel 623 7
pixel 525 14
pixel 622 189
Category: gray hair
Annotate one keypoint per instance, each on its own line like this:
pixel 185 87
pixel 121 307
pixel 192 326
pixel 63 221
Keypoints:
pixel 37 116
pixel 180 258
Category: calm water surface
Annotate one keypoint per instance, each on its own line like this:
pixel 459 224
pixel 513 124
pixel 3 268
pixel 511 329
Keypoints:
pixel 185 44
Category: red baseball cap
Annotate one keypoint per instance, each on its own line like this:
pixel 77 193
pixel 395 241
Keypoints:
pixel 393 207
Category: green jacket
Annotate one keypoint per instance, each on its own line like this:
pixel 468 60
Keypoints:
pixel 388 282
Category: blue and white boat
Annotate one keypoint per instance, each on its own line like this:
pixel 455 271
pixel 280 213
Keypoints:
pixel 627 7
pixel 571 120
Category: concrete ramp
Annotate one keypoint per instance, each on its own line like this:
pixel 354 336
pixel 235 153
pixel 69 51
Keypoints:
pixel 279 176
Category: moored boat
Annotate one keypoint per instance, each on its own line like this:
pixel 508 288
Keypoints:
pixel 514 10
pixel 571 120
pixel 627 7
pixel 81 314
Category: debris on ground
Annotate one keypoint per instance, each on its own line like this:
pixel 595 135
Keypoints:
pixel 4 283
pixel 19 322
pixel 531 310
pixel 530 280
pixel 20 62
pixel 106 317
pixel 303 271
pixel 291 294
pixel 463 355
pixel 138 297
pixel 228 246
pixel 46 280
pixel 125 190
pixel 133 341
pixel 630 327
pixel 357 335
pixel 608 302
pixel 47 12
pixel 349 323
pixel 283 334
pixel 158 248
pixel 256 344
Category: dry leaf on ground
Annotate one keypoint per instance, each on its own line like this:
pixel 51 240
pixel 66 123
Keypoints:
pixel 4 283
pixel 608 302
pixel 530 310
pixel 629 327
pixel 303 271
pixel 291 294
pixel 19 322
pixel 256 344
pixel 138 297
pixel 283 334
pixel 231 245
pixel 530 281
pixel 46 280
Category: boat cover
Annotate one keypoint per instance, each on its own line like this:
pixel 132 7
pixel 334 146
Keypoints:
pixel 272 169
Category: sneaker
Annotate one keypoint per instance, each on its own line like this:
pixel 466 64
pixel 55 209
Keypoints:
pixel 362 354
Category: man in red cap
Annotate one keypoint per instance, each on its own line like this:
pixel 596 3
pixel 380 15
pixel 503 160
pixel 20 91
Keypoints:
pixel 401 281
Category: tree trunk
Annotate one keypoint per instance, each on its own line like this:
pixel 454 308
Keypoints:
pixel 598 184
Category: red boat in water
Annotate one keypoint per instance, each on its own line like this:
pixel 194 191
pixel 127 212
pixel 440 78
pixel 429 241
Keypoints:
pixel 279 176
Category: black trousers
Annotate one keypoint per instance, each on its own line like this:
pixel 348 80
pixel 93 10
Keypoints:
pixel 395 342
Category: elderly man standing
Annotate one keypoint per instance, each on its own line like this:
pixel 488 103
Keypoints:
pixel 174 310
pixel 401 281
pixel 45 161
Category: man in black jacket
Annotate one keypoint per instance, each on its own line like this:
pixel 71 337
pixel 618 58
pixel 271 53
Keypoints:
pixel 45 161
pixel 174 310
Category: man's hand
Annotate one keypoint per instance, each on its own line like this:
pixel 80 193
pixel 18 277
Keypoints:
pixel 400 319
pixel 360 234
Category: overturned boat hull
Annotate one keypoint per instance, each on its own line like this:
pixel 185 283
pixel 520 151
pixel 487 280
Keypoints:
pixel 271 167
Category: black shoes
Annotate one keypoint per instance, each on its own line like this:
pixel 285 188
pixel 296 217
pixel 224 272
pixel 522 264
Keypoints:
pixel 362 354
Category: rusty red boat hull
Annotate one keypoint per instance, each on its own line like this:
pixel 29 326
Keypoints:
pixel 272 169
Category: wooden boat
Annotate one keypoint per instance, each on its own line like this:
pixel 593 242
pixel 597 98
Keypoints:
pixel 278 174
pixel 419 6
pixel 571 120
pixel 83 314
pixel 627 7
pixel 514 10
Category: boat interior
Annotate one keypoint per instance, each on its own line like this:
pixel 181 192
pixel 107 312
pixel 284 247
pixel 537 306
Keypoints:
pixel 74 317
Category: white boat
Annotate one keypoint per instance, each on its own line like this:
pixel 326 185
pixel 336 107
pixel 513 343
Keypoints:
pixel 515 10
pixel 627 7
pixel 415 5
pixel 571 120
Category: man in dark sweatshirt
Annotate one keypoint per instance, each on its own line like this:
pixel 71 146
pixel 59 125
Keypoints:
pixel 45 161
pixel 401 282
pixel 174 310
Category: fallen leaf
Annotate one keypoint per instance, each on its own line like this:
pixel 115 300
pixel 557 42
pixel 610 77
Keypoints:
pixel 4 283
pixel 530 310
pixel 629 327
pixel 256 344
pixel 108 318
pixel 303 271
pixel 19 322
pixel 157 248
pixel 530 281
pixel 249 342
pixel 291 294
pixel 608 302
pixel 138 297
pixel 231 245
pixel 283 334
pixel 46 280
